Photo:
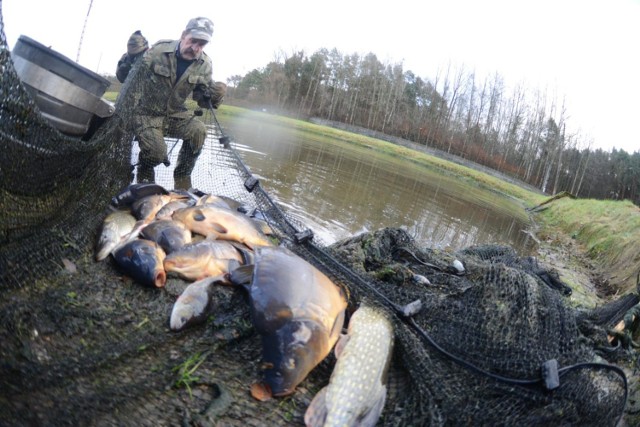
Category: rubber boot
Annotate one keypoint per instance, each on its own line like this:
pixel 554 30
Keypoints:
pixel 186 162
pixel 182 182
pixel 146 174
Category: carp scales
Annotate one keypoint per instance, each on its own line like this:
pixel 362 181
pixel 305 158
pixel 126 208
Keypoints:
pixel 142 260
pixel 167 210
pixel 170 235
pixel 298 311
pixel 115 227
pixel 222 223
pixel 192 306
pixel 195 261
pixel 357 389
pixel 146 208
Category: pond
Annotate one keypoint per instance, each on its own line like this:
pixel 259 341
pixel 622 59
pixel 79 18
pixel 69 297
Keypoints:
pixel 339 190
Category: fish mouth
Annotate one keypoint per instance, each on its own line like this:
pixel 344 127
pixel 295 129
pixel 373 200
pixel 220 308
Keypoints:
pixel 160 279
pixel 283 393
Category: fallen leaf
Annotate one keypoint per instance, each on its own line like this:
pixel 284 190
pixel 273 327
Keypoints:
pixel 69 266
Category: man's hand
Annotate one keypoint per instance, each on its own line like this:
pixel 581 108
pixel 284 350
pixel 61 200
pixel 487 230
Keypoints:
pixel 210 97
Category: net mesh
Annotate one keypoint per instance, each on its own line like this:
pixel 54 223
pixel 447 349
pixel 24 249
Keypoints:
pixel 84 345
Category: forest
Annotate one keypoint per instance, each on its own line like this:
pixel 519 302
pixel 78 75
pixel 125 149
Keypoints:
pixel 519 131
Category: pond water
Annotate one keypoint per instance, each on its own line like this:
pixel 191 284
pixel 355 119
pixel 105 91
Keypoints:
pixel 339 190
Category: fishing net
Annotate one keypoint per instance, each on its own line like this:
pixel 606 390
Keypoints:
pixel 82 344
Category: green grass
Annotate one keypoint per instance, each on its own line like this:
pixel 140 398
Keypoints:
pixel 186 371
pixel 110 96
pixel 609 231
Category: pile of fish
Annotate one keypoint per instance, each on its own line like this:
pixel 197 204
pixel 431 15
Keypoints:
pixel 151 232
pixel 297 310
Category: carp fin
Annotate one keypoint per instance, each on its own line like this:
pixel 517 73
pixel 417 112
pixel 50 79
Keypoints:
pixel 316 413
pixel 340 345
pixel 242 275
pixel 198 215
pixel 263 226
pixel 219 228
pixel 247 254
pixel 370 416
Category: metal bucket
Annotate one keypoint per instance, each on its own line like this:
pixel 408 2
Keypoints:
pixel 67 94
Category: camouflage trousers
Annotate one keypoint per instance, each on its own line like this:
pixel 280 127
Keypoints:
pixel 150 132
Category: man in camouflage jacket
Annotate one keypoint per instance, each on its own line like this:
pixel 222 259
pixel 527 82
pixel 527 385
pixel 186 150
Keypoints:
pixel 169 72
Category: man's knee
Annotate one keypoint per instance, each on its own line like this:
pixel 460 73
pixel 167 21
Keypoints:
pixel 195 134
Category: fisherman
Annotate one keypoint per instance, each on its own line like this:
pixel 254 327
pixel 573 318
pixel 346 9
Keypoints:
pixel 137 45
pixel 171 70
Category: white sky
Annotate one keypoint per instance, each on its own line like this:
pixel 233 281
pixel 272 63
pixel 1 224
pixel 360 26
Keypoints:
pixel 585 50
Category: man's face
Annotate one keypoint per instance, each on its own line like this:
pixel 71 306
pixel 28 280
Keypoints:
pixel 191 48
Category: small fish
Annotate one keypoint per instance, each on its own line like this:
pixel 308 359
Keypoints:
pixel 170 235
pixel 357 389
pixel 298 311
pixel 143 261
pixel 192 306
pixel 205 258
pixel 222 223
pixel 115 227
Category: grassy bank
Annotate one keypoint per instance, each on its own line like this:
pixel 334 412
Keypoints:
pixel 607 231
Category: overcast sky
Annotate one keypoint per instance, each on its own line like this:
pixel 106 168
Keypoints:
pixel 585 50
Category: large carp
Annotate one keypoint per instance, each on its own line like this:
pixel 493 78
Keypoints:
pixel 357 388
pixel 196 261
pixel 143 261
pixel 222 223
pixel 170 235
pixel 297 310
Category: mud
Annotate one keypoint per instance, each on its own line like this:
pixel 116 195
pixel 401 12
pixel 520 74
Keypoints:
pixel 94 348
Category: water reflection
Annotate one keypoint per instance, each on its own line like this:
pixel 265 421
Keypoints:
pixel 340 190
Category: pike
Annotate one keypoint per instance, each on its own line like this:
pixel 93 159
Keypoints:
pixel 357 389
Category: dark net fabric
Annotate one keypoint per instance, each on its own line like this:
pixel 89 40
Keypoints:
pixel 84 345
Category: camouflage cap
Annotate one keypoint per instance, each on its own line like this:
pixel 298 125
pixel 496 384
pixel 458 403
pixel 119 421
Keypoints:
pixel 200 28
pixel 137 43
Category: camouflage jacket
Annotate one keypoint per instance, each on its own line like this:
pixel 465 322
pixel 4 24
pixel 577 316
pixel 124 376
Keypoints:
pixel 160 93
pixel 124 65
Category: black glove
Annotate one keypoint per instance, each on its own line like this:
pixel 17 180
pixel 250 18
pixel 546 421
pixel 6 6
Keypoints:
pixel 209 97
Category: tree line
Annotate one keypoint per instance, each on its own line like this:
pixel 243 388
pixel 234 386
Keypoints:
pixel 518 131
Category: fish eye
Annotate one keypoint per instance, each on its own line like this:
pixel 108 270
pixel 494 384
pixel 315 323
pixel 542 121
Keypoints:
pixel 302 334
pixel 291 363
